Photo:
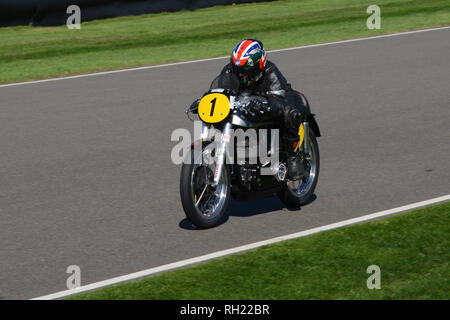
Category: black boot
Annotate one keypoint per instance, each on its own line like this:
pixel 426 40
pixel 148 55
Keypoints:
pixel 296 171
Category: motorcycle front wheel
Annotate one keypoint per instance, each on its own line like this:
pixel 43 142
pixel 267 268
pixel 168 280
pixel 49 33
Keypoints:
pixel 203 203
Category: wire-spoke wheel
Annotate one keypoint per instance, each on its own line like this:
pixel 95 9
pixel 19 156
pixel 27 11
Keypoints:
pixel 300 192
pixel 204 204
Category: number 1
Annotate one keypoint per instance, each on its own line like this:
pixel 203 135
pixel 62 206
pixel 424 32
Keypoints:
pixel 213 101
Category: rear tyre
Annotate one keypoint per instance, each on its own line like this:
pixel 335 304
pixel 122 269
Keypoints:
pixel 298 193
pixel 203 204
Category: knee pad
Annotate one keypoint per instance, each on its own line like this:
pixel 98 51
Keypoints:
pixel 292 120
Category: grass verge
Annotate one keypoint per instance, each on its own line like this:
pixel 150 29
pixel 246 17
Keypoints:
pixel 411 249
pixel 29 53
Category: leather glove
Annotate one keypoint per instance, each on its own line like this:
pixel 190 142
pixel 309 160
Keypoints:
pixel 255 110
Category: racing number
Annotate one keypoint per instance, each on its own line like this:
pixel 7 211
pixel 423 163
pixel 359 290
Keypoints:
pixel 213 101
pixel 301 133
pixel 214 107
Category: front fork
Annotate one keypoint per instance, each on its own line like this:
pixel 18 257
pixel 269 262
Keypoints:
pixel 220 153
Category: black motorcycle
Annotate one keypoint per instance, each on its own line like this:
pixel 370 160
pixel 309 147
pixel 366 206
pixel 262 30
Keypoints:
pixel 214 171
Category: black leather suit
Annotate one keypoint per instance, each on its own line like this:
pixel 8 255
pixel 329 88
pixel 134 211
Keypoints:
pixel 286 106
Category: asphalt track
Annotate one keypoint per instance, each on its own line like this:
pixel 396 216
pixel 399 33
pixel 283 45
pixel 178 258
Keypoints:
pixel 86 177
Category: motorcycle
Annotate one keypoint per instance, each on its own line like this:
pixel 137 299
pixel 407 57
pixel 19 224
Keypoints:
pixel 210 176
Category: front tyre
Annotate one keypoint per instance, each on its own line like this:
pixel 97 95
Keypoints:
pixel 204 204
pixel 298 193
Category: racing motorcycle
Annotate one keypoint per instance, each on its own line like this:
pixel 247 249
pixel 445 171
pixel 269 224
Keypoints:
pixel 212 172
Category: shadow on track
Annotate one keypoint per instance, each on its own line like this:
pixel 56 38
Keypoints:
pixel 248 208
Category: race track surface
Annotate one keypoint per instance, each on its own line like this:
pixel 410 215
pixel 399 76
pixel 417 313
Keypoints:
pixel 87 180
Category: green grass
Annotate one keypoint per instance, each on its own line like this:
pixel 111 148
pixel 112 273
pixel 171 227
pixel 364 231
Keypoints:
pixel 412 250
pixel 28 53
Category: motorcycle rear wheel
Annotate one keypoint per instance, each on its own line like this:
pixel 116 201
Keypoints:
pixel 298 193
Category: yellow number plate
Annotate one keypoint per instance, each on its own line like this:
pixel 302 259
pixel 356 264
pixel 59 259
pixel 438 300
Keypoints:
pixel 301 133
pixel 214 107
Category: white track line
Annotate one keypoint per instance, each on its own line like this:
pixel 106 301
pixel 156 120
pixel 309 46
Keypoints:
pixel 223 57
pixel 227 252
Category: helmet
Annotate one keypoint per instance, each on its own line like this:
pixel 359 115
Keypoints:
pixel 249 62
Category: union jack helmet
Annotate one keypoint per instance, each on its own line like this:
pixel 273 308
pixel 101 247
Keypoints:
pixel 249 61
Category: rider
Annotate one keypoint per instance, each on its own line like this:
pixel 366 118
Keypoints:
pixel 261 77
